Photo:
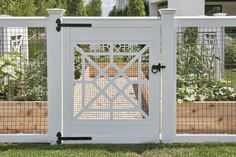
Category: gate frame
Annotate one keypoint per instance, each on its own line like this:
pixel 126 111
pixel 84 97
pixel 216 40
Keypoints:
pixel 55 64
pixel 7 21
pixel 152 24
pixel 169 24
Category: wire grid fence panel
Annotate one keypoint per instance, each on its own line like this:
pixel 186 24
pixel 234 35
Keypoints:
pixel 206 80
pixel 111 81
pixel 23 80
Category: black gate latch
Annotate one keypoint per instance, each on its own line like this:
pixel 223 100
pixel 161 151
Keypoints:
pixel 157 68
pixel 60 138
pixel 59 25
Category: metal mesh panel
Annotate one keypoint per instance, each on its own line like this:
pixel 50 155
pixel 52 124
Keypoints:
pixel 23 80
pixel 206 77
pixel 113 81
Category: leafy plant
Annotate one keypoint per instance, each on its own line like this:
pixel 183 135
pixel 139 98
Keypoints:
pixel 194 88
pixel 230 56
pixel 35 79
pixel 136 8
pixel 191 36
pixel 195 60
pixel 196 79
pixel 11 70
pixel 77 64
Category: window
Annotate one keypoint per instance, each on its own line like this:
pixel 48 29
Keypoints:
pixel 212 9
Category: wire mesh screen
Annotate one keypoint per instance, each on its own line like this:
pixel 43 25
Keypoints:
pixel 23 80
pixel 206 80
pixel 111 81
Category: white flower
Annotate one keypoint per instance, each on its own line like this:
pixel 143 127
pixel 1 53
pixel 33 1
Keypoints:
pixel 189 90
pixel 202 97
pixel 189 98
pixel 231 89
pixel 9 69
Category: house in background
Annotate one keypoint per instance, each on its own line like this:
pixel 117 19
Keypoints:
pixel 194 7
pixel 212 38
pixel 121 4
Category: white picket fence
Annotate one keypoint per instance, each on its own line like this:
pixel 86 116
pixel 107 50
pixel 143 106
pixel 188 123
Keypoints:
pixel 169 25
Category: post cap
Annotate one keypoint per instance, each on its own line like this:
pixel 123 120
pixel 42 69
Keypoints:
pixel 56 11
pixel 168 11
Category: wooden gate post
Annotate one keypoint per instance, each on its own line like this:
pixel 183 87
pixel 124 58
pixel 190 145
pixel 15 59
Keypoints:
pixel 168 45
pixel 54 60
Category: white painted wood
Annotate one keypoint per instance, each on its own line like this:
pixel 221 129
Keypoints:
pixel 168 129
pixel 205 21
pixel 130 139
pixel 24 138
pixel 115 31
pixel 132 30
pixel 216 24
pixel 55 71
pixel 21 24
pixel 155 80
pixel 11 21
pixel 68 85
pixel 199 138
pixel 114 22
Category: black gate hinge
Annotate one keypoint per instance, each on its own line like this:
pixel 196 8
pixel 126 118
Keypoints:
pixel 60 138
pixel 59 25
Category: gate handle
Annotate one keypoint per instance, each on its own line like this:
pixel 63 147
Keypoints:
pixel 157 68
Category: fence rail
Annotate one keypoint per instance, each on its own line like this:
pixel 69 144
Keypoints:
pixel 205 21
pixel 179 123
pixel 24 21
pixel 205 73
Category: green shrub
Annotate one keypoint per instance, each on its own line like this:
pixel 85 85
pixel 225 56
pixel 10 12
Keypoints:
pixel 202 88
pixel 11 70
pixel 230 56
pixel 191 36
pixel 136 8
pixel 35 79
pixel 77 65
pixel 196 80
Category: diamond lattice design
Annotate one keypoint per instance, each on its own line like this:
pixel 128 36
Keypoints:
pixel 90 92
pixel 101 82
pixel 111 91
pixel 120 82
pixel 101 103
pixel 111 72
pixel 122 103
pixel 109 80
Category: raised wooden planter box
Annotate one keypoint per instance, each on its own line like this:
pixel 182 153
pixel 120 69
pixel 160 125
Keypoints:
pixel 192 117
pixel 23 117
pixel 206 117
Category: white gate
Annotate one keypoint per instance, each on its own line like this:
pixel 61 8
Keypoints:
pixel 111 94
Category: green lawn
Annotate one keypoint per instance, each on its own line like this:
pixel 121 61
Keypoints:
pixel 176 150
pixel 231 76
